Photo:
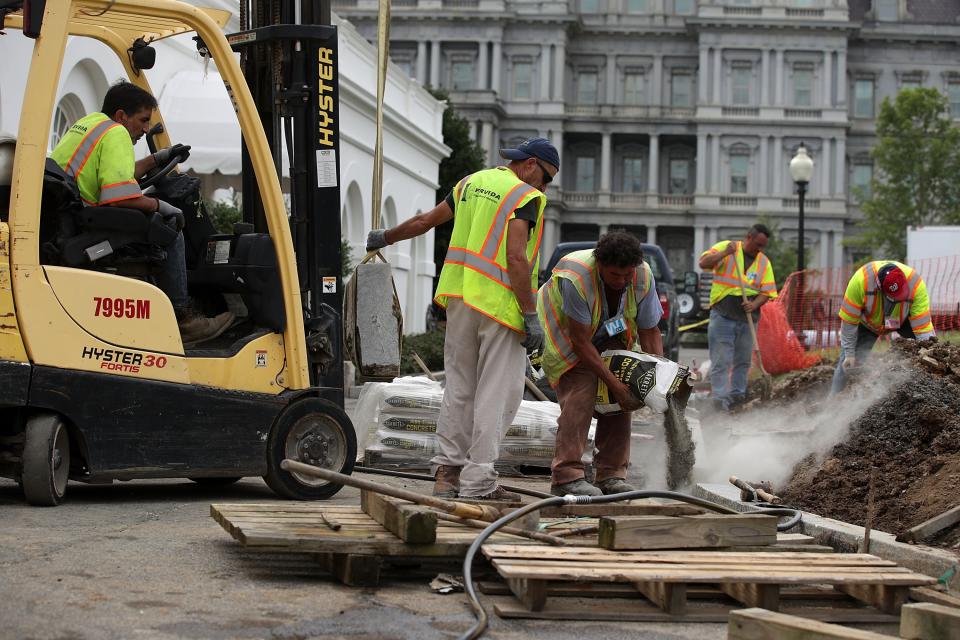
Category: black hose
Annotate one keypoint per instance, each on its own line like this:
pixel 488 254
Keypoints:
pixel 421 476
pixel 481 614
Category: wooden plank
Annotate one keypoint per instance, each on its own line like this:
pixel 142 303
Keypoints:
pixel 532 594
pixel 928 621
pixel 540 551
pixel 807 594
pixel 687 532
pixel 932 526
pixel 765 596
pixel 885 596
pixel 632 508
pixel 795 538
pixel 671 598
pixel 409 522
pixel 351 569
pixel 638 611
pixel 926 594
pixel 760 624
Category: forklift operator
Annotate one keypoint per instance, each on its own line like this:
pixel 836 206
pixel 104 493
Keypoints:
pixel 97 152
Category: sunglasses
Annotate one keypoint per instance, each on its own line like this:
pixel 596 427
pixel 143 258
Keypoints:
pixel 547 178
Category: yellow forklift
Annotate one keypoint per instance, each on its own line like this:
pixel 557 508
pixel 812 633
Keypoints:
pixel 95 383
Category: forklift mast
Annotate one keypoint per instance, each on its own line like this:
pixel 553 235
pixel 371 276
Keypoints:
pixel 289 57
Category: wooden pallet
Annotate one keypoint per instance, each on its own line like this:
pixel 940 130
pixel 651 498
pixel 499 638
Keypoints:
pixel 753 579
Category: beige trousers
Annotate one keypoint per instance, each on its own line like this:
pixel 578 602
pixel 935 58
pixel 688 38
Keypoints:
pixel 484 365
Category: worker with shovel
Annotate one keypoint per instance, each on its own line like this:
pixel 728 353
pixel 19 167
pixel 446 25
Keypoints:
pixel 485 285
pixel 883 296
pixel 596 299
pixel 742 282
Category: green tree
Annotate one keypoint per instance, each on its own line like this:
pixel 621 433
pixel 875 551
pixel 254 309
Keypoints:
pixel 916 171
pixel 466 157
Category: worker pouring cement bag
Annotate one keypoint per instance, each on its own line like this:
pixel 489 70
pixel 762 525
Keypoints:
pixel 602 300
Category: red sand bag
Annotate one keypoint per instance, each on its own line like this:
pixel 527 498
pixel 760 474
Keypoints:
pixel 779 347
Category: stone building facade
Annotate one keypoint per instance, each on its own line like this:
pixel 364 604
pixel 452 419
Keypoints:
pixel 677 119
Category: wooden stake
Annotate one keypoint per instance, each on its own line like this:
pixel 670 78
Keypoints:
pixel 478 524
pixel 423 365
pixel 871 499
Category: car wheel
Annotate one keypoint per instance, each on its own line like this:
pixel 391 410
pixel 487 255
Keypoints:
pixel 314 432
pixel 45 460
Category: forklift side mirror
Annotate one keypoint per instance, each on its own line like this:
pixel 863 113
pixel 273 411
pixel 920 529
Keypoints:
pixel 690 280
pixel 142 55
pixel 33 17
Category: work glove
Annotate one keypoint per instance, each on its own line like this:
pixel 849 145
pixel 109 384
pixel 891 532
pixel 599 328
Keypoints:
pixel 849 362
pixel 377 239
pixel 533 331
pixel 171 214
pixel 163 156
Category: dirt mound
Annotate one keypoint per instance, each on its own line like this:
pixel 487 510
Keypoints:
pixel 806 384
pixel 910 442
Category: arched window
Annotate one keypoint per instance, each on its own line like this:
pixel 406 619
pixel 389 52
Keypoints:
pixel 68 111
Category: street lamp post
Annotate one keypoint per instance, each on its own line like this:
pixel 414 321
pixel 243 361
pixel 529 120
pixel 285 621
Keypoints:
pixel 801 170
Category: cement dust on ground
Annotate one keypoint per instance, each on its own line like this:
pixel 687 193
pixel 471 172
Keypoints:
pixel 902 415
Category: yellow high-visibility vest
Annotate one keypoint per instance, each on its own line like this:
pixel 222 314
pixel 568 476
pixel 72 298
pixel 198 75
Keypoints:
pixel 475 268
pixel 863 301
pixel 580 268
pixel 98 153
pixel 756 280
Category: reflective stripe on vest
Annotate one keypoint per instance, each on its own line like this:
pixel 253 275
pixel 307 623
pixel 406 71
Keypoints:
pixel 89 142
pixel 728 278
pixel 119 191
pixel 479 264
pixel 871 300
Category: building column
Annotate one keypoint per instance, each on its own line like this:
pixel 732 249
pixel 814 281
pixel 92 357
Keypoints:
pixel 715 166
pixel 840 168
pixel 496 63
pixel 474 134
pixel 778 74
pixel 651 234
pixel 764 166
pixel 483 65
pixel 717 74
pixel 544 72
pixel 422 62
pixel 559 64
pixel 610 84
pixel 841 78
pixel 837 257
pixel 602 228
pixel 776 159
pixel 556 138
pixel 656 97
pixel 435 63
pixel 765 78
pixel 824 250
pixel 827 79
pixel 822 168
pixel 486 138
pixel 698 246
pixel 703 76
pixel 606 161
pixel 701 163
pixel 653 179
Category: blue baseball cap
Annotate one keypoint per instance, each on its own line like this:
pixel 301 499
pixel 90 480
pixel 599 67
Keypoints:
pixel 533 148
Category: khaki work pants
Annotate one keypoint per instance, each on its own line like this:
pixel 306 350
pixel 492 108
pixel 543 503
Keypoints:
pixel 484 368
pixel 577 394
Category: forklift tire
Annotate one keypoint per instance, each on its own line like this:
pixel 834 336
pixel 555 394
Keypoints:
pixel 45 460
pixel 315 432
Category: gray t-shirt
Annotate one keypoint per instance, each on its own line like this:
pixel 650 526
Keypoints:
pixel 576 308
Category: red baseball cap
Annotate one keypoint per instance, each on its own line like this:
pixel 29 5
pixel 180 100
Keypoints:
pixel 894 285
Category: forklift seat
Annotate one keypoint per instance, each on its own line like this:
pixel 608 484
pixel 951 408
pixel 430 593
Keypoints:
pixel 114 239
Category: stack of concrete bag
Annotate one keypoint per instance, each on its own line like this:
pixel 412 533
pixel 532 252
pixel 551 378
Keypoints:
pixel 401 420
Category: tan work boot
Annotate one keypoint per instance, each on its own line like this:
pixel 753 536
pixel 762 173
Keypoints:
pixel 195 329
pixel 499 493
pixel 446 481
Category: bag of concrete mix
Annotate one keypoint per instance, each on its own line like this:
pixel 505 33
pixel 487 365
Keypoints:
pixel 652 379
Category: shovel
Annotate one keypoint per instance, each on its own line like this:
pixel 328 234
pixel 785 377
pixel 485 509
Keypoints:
pixel 766 382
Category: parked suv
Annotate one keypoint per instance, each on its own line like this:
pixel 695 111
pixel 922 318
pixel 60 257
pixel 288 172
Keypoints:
pixel 666 289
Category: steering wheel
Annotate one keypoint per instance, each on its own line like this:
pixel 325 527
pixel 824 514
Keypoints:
pixel 152 176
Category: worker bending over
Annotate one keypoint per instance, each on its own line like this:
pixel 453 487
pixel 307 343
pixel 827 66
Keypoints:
pixel 735 266
pixel 97 153
pixel 596 299
pixel 485 286
pixel 882 297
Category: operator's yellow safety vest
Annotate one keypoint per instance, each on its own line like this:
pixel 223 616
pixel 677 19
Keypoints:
pixel 863 301
pixel 756 280
pixel 98 154
pixel 580 268
pixel 475 268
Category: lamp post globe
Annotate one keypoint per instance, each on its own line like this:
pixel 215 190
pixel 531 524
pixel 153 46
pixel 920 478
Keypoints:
pixel 801 170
